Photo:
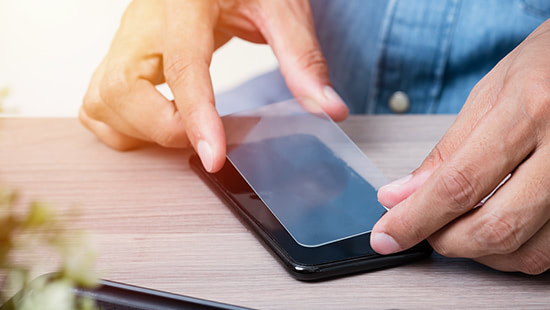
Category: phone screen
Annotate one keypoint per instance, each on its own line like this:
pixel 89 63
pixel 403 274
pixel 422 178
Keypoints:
pixel 236 190
pixel 349 255
pixel 312 192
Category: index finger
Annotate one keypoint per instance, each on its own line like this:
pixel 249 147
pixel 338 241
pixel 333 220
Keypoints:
pixel 189 45
pixel 289 29
pixel 495 147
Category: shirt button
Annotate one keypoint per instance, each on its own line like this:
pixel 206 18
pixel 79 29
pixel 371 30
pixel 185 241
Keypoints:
pixel 399 102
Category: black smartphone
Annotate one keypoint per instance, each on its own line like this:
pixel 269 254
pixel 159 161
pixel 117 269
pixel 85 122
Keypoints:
pixel 115 295
pixel 312 162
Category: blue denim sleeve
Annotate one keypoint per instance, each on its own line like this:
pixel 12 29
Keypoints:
pixel 402 56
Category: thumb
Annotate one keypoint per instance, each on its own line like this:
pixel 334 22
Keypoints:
pixel 393 193
pixel 288 27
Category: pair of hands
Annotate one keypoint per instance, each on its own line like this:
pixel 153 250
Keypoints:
pixel 504 126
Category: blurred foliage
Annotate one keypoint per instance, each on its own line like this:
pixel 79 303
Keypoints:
pixel 24 234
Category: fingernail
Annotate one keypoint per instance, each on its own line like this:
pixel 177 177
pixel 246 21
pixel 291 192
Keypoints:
pixel 205 153
pixel 397 183
pixel 384 244
pixel 332 96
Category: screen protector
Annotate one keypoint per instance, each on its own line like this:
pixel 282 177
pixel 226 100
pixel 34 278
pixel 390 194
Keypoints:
pixel 306 170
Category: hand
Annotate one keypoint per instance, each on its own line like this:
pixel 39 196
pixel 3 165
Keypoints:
pixel 504 127
pixel 173 41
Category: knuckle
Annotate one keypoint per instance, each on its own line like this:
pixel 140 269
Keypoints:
pixel 177 67
pixel 92 104
pixel 82 116
pixel 313 61
pixel 172 133
pixel 498 234
pixel 113 86
pixel 459 187
pixel 441 247
pixel 476 90
pixel 166 137
pixel 537 92
pixel 534 262
pixel 483 96
pixel 435 157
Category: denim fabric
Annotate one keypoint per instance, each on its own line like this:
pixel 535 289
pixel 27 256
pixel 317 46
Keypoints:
pixel 435 51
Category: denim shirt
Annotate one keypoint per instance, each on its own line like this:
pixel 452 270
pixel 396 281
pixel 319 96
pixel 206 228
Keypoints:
pixel 432 51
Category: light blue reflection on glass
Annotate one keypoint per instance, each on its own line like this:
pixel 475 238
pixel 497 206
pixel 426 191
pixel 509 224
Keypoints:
pixel 309 188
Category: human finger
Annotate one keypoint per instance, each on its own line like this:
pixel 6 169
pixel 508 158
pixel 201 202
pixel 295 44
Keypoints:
pixel 108 135
pixel 106 86
pixel 147 112
pixel 132 106
pixel 289 29
pixel 479 102
pixel 532 258
pixel 507 220
pixel 189 47
pixel 499 142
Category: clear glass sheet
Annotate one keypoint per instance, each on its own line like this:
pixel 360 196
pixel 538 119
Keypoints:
pixel 306 170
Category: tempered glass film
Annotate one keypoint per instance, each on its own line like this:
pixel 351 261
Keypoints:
pixel 306 170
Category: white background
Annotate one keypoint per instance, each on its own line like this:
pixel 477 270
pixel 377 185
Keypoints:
pixel 50 48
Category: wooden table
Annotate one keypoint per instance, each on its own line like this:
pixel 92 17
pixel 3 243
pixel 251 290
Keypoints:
pixel 159 226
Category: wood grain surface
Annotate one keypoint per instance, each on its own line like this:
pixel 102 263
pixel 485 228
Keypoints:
pixel 157 225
